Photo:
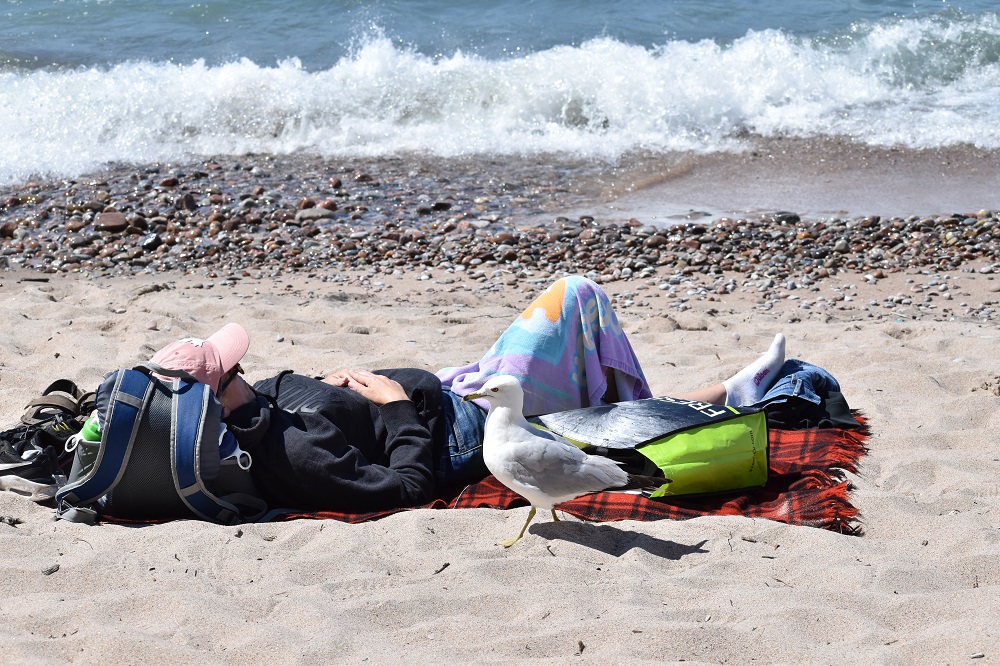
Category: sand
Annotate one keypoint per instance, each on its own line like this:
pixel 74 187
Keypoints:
pixel 921 586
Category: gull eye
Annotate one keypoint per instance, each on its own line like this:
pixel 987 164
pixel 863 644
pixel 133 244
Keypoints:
pixel 494 389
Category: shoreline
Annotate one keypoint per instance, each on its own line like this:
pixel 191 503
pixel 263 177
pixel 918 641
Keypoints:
pixel 815 178
pixel 493 221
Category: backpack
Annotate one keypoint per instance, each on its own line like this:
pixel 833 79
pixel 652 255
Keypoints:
pixel 158 456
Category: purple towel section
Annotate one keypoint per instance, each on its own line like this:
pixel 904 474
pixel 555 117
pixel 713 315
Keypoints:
pixel 559 348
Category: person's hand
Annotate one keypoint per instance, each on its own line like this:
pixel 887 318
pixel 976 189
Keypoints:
pixel 236 394
pixel 377 388
pixel 339 378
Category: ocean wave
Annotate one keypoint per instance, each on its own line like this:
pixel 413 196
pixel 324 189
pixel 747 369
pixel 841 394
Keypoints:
pixel 913 82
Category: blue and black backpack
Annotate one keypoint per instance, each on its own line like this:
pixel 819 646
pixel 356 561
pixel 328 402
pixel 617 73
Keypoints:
pixel 158 457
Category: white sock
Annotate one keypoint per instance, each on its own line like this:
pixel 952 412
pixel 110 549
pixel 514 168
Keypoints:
pixel 751 383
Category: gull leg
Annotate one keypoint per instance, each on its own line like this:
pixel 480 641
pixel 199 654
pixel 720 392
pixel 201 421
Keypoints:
pixel 554 516
pixel 510 542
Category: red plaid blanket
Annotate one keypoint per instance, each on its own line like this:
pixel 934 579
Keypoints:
pixel 806 486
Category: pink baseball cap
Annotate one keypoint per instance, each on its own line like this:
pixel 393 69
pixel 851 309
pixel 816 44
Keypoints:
pixel 207 360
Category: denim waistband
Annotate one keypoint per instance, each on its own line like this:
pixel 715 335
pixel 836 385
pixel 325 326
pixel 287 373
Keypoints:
pixel 799 379
pixel 460 460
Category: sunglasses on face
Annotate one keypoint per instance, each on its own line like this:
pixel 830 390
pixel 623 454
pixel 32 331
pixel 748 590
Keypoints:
pixel 237 370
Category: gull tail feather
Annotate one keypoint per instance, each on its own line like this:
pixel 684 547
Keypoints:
pixel 637 481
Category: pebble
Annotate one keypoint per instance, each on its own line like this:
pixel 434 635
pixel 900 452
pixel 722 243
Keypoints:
pixel 110 222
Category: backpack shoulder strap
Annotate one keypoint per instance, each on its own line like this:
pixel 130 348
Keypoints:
pixel 149 366
pixel 191 405
pixel 129 397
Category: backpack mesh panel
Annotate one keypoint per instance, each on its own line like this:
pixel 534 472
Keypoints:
pixel 146 489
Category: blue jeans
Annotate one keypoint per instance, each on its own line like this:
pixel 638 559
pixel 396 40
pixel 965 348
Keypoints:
pixel 460 461
pixel 799 379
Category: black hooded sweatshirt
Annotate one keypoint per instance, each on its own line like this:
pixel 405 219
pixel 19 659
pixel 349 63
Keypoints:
pixel 321 447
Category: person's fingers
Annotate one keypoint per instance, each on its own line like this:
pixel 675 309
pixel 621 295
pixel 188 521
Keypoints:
pixel 361 385
pixel 338 378
pixel 377 388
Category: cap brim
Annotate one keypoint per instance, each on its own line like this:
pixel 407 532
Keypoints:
pixel 232 342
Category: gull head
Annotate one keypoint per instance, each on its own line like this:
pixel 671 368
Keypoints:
pixel 501 391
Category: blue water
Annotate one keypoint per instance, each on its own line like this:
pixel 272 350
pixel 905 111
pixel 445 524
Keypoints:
pixel 88 82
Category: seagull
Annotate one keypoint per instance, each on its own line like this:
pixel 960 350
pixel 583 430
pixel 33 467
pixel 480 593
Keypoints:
pixel 540 466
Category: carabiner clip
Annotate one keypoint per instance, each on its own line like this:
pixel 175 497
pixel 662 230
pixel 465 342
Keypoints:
pixel 244 460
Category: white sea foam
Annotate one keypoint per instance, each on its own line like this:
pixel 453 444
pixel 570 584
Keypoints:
pixel 912 82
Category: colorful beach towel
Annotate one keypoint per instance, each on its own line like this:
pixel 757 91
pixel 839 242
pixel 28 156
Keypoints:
pixel 560 349
pixel 806 486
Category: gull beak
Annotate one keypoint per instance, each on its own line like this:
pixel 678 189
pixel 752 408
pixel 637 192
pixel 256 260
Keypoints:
pixel 473 396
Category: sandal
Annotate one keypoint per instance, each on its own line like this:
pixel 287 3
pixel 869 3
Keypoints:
pixel 86 405
pixel 62 396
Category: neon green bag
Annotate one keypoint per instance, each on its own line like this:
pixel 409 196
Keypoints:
pixel 704 448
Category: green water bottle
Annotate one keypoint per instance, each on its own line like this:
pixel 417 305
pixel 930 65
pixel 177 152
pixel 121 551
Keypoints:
pixel 91 430
pixel 85 446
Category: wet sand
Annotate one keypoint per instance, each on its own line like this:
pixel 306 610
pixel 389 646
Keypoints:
pixel 816 179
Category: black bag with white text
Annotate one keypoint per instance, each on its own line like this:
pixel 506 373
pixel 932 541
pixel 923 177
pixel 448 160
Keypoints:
pixel 703 448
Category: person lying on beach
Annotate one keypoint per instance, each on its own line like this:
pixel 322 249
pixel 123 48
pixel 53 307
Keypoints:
pixel 359 440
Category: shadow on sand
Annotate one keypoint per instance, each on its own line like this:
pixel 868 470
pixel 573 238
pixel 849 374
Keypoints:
pixel 612 540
